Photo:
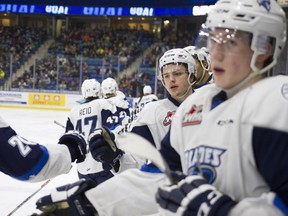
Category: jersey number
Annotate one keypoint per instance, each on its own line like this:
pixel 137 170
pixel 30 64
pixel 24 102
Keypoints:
pixel 22 145
pixel 90 121
pixel 114 119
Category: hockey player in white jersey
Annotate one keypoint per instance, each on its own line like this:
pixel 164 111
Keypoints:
pixel 110 91
pixel 203 65
pixel 29 161
pixel 146 98
pixel 92 114
pixel 240 167
pixel 133 186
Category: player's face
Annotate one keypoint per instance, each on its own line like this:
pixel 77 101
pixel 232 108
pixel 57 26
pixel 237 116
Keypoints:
pixel 230 56
pixel 175 79
pixel 199 69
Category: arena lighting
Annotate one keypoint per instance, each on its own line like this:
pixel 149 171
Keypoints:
pixel 114 3
pixel 103 11
pixel 201 10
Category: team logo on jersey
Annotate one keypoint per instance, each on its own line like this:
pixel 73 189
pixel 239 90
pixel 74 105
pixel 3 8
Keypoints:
pixel 284 91
pixel 265 3
pixel 204 160
pixel 168 118
pixel 193 117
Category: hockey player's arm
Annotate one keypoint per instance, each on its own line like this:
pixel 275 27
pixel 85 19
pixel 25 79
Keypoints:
pixel 104 149
pixel 195 196
pixel 25 160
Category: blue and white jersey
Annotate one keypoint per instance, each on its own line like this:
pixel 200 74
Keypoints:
pixel 240 146
pixel 94 114
pixel 25 160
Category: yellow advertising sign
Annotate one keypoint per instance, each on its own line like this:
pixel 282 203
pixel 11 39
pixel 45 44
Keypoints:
pixel 46 99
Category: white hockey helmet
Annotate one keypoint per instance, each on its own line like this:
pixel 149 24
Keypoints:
pixel 175 56
pixel 201 55
pixel 109 87
pixel 147 90
pixel 91 88
pixel 264 19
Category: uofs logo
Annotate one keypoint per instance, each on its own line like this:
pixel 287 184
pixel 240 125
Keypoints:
pixel 193 117
pixel 204 160
pixel 265 3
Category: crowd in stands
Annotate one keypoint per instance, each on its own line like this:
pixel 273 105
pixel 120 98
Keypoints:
pixel 84 53
pixel 17 44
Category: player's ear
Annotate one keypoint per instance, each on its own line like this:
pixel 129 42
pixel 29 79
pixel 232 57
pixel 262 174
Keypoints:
pixel 268 53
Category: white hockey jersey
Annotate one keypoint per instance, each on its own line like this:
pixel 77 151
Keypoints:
pixel 96 114
pixel 152 124
pixel 134 190
pixel 241 146
pixel 139 104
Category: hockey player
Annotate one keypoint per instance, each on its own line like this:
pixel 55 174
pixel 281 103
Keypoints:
pixel 143 100
pixel 92 114
pixel 109 88
pixel 110 91
pixel 242 165
pixel 28 161
pixel 203 66
pixel 177 73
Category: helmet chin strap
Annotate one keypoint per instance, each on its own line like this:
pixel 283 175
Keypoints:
pixel 186 92
pixel 254 72
pixel 231 91
pixel 202 77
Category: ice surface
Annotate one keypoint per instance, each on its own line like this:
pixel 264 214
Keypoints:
pixel 36 125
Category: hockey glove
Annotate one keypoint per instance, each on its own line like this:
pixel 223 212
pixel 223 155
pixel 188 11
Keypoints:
pixel 68 200
pixel 104 149
pixel 193 196
pixel 76 144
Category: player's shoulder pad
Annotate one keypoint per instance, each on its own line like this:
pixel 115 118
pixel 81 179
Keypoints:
pixel 266 104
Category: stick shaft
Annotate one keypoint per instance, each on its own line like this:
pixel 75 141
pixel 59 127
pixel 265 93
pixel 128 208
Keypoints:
pixel 29 197
pixel 59 124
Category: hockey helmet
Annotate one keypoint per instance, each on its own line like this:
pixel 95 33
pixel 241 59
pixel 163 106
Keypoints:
pixel 90 88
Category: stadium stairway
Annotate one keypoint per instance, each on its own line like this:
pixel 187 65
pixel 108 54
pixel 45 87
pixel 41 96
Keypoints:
pixel 41 52
pixel 135 65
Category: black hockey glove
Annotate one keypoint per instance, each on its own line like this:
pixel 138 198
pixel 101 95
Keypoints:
pixel 193 196
pixel 104 149
pixel 68 200
pixel 76 144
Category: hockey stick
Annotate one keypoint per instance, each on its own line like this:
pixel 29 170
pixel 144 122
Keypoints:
pixel 59 124
pixel 135 144
pixel 29 197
